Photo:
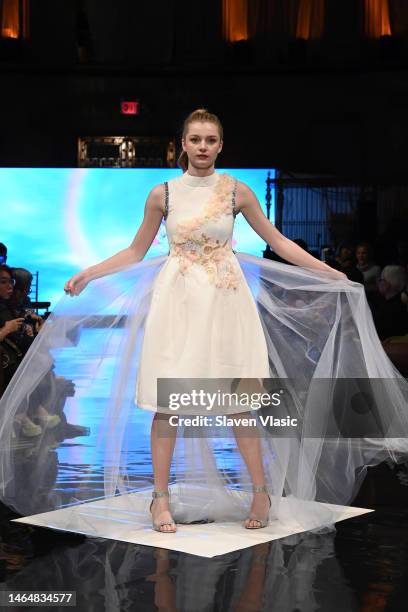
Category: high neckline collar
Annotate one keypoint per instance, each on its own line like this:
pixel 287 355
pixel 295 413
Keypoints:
pixel 200 181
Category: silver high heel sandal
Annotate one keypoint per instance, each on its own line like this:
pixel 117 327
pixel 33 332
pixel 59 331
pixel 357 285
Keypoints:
pixel 157 526
pixel 252 517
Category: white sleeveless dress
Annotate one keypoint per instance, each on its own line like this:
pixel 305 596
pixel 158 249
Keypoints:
pixel 203 321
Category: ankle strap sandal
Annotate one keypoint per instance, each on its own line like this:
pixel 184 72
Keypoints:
pixel 157 526
pixel 263 521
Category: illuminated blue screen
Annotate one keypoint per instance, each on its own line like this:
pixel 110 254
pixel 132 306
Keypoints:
pixel 59 221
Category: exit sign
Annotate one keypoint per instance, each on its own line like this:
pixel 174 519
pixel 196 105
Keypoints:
pixel 129 107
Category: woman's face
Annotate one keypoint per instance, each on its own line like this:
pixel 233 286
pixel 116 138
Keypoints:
pixel 202 144
pixel 6 285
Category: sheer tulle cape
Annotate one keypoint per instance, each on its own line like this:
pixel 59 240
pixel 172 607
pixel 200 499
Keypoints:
pixel 350 400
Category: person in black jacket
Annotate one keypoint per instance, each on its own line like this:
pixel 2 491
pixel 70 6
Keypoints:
pixel 12 330
pixel 16 337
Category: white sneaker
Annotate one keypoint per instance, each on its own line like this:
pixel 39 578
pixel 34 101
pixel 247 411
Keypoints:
pixel 30 429
pixel 50 420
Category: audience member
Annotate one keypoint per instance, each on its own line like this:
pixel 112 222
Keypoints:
pixel 389 311
pixel 22 287
pixel 347 263
pixel 365 264
pixel 21 301
pixel 16 337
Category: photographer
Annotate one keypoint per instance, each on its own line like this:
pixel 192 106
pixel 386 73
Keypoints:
pixel 16 335
pixel 21 303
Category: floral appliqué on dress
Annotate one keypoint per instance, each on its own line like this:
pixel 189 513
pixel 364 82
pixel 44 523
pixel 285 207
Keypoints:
pixel 191 246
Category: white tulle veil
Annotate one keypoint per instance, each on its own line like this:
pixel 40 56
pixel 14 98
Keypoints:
pixel 350 400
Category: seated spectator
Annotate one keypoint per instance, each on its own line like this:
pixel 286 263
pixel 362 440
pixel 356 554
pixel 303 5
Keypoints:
pixel 389 311
pixel 344 252
pixel 347 263
pixel 21 336
pixel 16 337
pixel 6 291
pixel 365 263
pixel 20 300
pixel 22 287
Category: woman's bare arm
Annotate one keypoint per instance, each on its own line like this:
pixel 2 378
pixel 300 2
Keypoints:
pixel 153 214
pixel 249 205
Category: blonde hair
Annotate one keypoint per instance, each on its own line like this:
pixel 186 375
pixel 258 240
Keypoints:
pixel 200 114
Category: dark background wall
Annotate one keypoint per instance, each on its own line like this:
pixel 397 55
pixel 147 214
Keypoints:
pixel 335 106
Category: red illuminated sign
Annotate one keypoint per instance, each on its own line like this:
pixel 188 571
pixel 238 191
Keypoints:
pixel 129 107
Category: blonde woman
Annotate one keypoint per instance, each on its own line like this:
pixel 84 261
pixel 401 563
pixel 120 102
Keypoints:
pixel 199 213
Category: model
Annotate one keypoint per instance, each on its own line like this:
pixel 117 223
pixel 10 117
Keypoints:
pixel 206 312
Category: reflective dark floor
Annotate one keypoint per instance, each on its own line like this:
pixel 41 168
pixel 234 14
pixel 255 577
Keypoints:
pixel 361 566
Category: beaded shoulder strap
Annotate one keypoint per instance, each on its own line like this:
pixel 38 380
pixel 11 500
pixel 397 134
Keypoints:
pixel 234 194
pixel 166 200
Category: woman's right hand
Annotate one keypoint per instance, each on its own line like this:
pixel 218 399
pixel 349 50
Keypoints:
pixel 76 284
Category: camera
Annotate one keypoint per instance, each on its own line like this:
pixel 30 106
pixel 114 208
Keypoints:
pixel 28 318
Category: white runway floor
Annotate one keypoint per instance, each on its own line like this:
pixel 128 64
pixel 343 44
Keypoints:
pixel 205 540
